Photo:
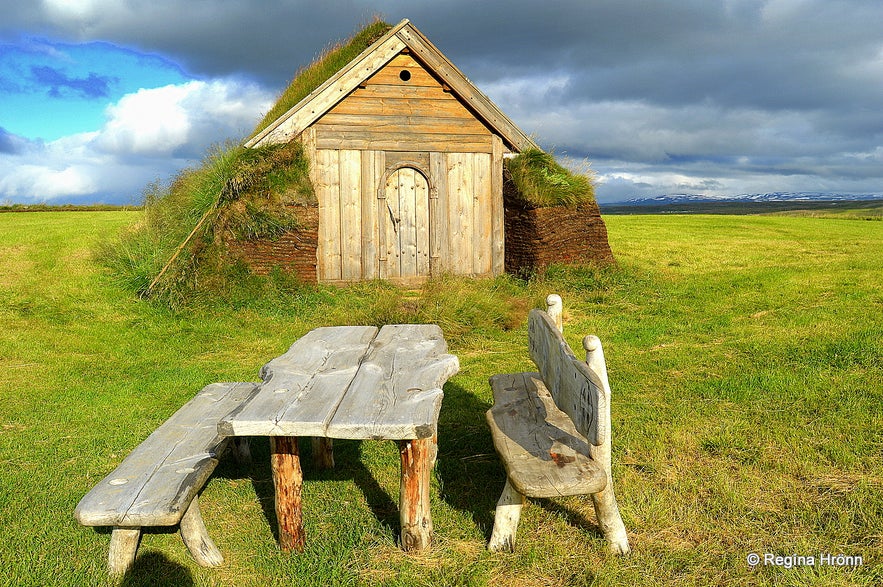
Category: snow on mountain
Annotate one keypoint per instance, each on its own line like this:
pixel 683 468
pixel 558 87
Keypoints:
pixel 770 197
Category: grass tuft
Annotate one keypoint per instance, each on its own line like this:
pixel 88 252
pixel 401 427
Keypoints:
pixel 540 181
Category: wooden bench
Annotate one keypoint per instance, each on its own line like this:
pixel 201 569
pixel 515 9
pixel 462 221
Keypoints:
pixel 158 483
pixel 552 430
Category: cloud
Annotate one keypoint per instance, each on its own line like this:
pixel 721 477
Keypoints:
pixel 147 135
pixel 720 95
pixel 180 120
pixel 61 85
pixel 211 38
pixel 39 183
pixel 9 143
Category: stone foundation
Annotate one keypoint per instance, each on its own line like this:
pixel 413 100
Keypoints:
pixel 540 237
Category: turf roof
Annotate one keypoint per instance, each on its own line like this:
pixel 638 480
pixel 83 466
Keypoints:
pixel 540 182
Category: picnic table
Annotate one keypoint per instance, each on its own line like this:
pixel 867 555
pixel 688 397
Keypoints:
pixel 351 382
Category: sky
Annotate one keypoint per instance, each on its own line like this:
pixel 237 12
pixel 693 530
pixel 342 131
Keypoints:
pixel 99 98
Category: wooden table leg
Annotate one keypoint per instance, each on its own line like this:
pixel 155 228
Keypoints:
pixel 323 452
pixel 288 482
pixel 415 516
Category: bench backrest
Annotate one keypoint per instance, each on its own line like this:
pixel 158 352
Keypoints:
pixel 577 389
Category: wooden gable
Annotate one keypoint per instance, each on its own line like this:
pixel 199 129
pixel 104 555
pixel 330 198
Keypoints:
pixel 377 59
pixel 402 107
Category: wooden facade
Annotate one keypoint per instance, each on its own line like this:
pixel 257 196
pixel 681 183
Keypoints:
pixel 407 163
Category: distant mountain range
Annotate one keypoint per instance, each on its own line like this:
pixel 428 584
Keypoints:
pixel 771 197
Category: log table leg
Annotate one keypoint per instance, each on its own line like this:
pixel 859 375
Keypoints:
pixel 416 519
pixel 288 483
pixel 323 452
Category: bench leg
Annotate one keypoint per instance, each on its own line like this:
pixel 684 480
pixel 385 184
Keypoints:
pixel 288 480
pixel 606 509
pixel 123 548
pixel 196 538
pixel 506 519
pixel 323 452
pixel 414 509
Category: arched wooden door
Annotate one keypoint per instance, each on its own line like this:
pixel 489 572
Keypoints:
pixel 405 225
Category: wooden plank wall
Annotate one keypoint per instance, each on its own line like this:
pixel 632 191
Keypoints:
pixel 465 234
pixel 466 214
pixel 346 181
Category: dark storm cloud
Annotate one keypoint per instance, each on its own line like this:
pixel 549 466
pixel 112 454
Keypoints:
pixel 717 92
pixel 735 53
pixel 264 40
pixel 60 85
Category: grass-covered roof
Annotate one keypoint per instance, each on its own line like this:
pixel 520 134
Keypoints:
pixel 539 181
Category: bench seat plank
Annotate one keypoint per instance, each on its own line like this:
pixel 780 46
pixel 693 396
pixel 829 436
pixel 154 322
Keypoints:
pixel 397 392
pixel 155 484
pixel 543 453
pixel 302 388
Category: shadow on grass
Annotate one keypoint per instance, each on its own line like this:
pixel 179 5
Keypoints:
pixel 349 467
pixel 575 519
pixel 153 568
pixel 468 471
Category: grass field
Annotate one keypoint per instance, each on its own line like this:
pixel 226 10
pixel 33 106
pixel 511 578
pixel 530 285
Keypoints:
pixel 746 360
pixel 846 209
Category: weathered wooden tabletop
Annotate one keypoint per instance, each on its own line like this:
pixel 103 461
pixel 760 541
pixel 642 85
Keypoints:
pixel 353 382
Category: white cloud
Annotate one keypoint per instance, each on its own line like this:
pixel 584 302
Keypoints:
pixel 27 180
pixel 526 93
pixel 147 135
pixel 149 122
pixel 162 121
pixel 65 10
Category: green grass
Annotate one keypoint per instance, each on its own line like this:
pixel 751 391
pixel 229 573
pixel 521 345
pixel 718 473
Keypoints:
pixel 540 181
pixel 745 356
pixel 177 252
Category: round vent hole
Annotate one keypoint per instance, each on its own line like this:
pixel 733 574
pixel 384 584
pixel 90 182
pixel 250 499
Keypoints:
pixel 404 75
